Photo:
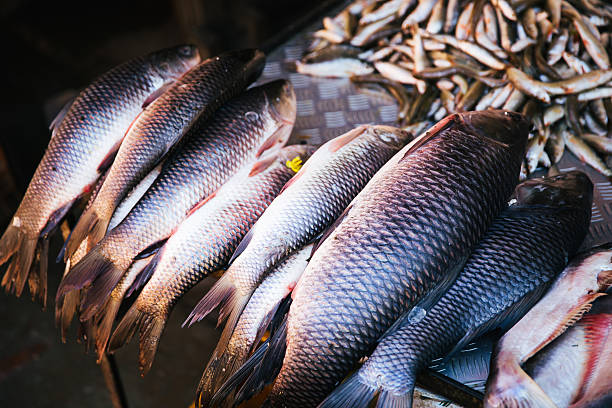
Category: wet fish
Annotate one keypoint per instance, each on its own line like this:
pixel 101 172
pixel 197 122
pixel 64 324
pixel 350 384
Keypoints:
pixel 244 128
pixel 84 139
pixel 570 296
pixel 390 249
pixel 197 94
pixel 252 324
pixel 507 272
pixel 202 244
pixel 309 203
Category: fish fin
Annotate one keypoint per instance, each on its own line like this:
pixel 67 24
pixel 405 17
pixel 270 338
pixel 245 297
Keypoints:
pixel 278 138
pixel 84 272
pixel 223 289
pixel 17 244
pixel 56 217
pixel 37 280
pixel 156 94
pixel 328 231
pixel 292 180
pixel 108 160
pixel 90 226
pixel 519 390
pixel 100 291
pixel 244 243
pixel 232 309
pixel 104 326
pixel 261 165
pixel 60 116
pixel 575 314
pixel 199 205
pixel 431 133
pixel 65 310
pixel 149 325
pixel 388 399
pixel 352 393
pixel 222 365
pixel 268 368
pixel 239 376
pixel 144 276
pixel 339 142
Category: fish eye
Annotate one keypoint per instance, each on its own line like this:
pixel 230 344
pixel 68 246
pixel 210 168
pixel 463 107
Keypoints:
pixel 186 51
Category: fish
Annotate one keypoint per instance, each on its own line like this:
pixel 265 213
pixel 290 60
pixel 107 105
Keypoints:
pixel 507 272
pixel 583 152
pixel 574 369
pixel 202 244
pixel 196 95
pixel 252 324
pixel 84 138
pixel 585 279
pixel 390 250
pixel 310 202
pixel 259 120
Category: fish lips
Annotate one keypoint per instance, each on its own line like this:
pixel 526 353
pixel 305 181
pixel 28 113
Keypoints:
pixel 572 189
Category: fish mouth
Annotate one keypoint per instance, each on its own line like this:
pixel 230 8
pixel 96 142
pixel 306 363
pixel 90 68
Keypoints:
pixel 507 127
pixel 571 189
pixel 282 99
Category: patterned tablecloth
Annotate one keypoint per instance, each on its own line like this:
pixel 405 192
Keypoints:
pixel 328 107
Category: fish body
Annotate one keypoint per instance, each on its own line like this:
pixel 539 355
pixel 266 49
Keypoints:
pixel 524 249
pixel 203 244
pixel 408 233
pixel 258 120
pixel 83 143
pixel 309 203
pixel 571 295
pixel 196 95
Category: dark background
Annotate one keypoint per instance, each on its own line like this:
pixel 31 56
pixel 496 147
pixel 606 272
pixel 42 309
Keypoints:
pixel 50 50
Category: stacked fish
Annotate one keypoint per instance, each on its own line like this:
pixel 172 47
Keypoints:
pixel 371 246
pixel 548 59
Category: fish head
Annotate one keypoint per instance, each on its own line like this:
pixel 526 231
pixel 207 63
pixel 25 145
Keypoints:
pixel 253 59
pixel 571 189
pixel 295 155
pixel 501 126
pixel 173 62
pixel 282 100
pixel 393 137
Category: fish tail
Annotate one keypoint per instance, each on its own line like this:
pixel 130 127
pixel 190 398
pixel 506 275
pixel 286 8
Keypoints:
pixel 150 325
pixel 37 279
pixel 222 291
pixel 354 393
pixel 515 389
pixel 65 310
pixel 91 226
pixel 388 399
pixel 93 265
pixel 15 243
pixel 105 325
pixel 100 292
pixel 218 371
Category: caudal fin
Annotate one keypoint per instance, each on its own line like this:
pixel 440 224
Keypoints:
pixel 37 279
pixel 104 325
pixel 223 291
pixel 218 371
pixel 354 393
pixel 93 265
pixel 513 388
pixel 91 226
pixel 149 325
pixel 16 244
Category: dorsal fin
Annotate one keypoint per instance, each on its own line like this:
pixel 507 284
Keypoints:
pixel 431 133
pixel 340 141
pixel 156 94
pixel 60 116
pixel 243 244
pixel 200 204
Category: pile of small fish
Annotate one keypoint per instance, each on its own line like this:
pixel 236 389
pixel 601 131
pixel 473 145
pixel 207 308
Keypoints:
pixel 547 59
pixel 375 246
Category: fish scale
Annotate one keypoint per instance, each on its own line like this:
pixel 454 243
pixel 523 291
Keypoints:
pixel 521 254
pixel 196 95
pixel 432 206
pixel 213 151
pixel 84 138
pixel 202 244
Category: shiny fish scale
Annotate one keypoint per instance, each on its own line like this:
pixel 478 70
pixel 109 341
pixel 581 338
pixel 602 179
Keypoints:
pixel 96 122
pixel 196 95
pixel 352 291
pixel 295 219
pixel 522 251
pixel 213 151
pixel 205 241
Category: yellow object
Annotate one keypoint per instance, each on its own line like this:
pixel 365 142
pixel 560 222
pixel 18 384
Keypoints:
pixel 295 164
